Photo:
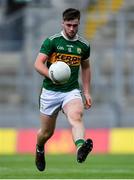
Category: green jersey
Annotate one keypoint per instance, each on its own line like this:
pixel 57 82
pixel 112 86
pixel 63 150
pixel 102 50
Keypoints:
pixel 72 52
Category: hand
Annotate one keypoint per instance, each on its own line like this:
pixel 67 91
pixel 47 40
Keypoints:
pixel 88 101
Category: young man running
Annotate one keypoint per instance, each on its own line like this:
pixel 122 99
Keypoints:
pixel 69 47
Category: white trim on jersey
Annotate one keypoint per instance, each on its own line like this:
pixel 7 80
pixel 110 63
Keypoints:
pixel 55 36
pixel 77 37
pixel 74 39
pixel 83 40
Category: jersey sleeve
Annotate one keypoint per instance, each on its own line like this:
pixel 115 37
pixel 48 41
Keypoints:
pixel 86 53
pixel 46 47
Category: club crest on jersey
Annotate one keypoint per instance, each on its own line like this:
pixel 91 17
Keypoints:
pixel 78 50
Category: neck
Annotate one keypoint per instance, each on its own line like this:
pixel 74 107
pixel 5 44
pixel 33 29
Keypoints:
pixel 67 38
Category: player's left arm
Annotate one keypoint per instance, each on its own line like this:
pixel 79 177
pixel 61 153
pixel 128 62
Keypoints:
pixel 86 80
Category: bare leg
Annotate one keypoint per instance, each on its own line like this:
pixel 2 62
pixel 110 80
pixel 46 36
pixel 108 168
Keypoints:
pixel 44 133
pixel 74 112
pixel 47 128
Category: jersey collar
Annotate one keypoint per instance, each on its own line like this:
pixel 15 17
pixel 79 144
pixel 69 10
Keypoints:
pixel 74 39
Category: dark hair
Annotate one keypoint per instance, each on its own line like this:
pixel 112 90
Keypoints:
pixel 71 14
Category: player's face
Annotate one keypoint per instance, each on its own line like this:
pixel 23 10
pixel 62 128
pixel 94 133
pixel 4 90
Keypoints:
pixel 70 28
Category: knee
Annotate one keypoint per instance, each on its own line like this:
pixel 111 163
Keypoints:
pixel 75 116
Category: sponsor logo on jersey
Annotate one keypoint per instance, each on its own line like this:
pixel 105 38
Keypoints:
pixel 72 60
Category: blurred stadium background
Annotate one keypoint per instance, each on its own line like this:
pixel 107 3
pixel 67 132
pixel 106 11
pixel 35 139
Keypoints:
pixel 108 25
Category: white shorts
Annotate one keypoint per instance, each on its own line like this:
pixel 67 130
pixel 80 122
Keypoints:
pixel 52 101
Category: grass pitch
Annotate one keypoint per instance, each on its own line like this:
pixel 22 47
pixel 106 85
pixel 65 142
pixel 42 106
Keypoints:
pixel 66 167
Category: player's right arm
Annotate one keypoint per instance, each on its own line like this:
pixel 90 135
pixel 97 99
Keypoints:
pixel 40 64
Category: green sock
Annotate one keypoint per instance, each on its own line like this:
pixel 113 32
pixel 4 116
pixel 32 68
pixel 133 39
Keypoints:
pixel 79 142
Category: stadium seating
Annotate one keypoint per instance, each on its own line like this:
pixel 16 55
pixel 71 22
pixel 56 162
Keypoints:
pixel 112 45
